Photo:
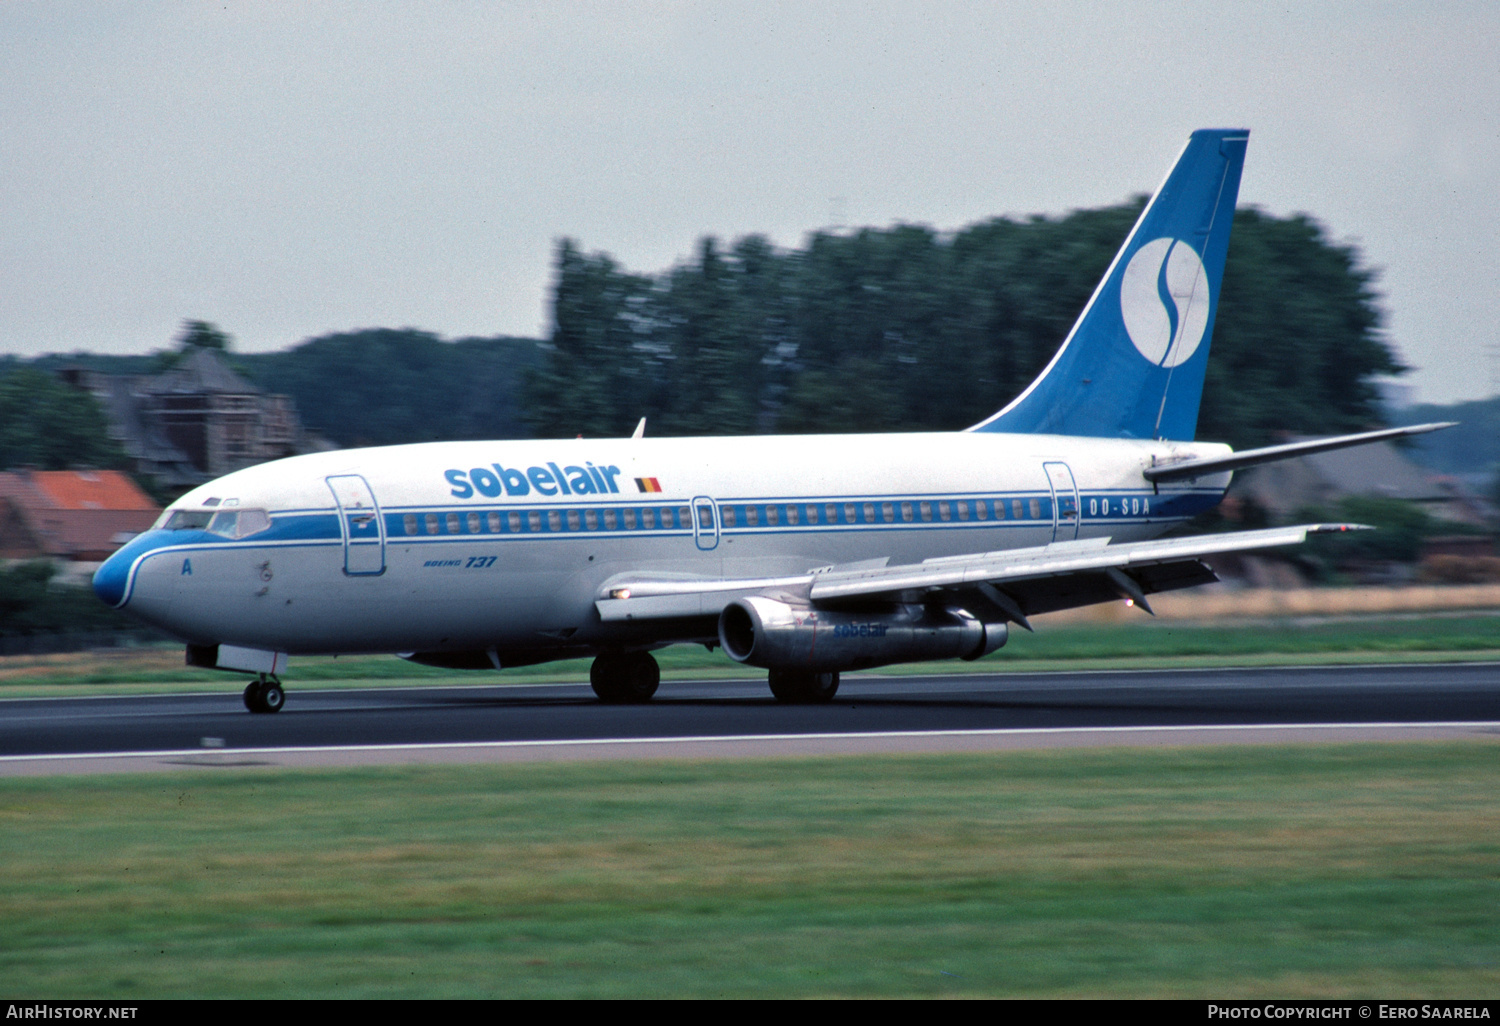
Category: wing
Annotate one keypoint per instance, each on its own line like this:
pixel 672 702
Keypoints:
pixel 1012 584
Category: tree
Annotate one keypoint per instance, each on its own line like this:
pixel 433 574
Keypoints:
pixel 903 328
pixel 202 335
pixel 384 386
pixel 600 370
pixel 1298 340
pixel 48 424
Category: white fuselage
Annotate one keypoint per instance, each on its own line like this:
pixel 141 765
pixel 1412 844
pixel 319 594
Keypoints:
pixel 506 545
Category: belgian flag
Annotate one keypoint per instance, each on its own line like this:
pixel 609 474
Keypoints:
pixel 648 484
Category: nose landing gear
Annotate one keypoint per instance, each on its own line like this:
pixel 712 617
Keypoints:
pixel 264 695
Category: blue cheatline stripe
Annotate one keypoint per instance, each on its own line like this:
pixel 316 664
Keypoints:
pixel 1030 509
pixel 826 514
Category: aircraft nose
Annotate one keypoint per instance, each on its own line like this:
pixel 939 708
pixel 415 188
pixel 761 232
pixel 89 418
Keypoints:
pixel 112 579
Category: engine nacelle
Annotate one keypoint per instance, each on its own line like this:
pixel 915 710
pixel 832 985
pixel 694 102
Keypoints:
pixel 765 632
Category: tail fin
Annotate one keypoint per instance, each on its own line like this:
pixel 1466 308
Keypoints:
pixel 1133 365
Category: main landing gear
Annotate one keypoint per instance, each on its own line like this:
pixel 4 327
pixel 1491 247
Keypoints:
pixel 625 677
pixel 264 695
pixel 803 687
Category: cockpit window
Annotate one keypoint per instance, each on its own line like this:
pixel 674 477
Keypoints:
pixel 187 520
pixel 239 523
pixel 228 523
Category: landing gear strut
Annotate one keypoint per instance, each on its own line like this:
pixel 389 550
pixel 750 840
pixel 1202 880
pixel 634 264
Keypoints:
pixel 264 695
pixel 803 687
pixel 625 677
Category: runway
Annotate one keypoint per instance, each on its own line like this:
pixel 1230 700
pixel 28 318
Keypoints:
pixel 495 721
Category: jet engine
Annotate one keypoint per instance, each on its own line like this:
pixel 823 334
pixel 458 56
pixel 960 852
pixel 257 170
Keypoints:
pixel 777 635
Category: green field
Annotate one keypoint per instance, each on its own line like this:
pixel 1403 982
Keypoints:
pixel 1143 643
pixel 1268 871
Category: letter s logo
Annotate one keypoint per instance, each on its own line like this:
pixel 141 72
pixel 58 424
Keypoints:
pixel 461 487
pixel 1164 301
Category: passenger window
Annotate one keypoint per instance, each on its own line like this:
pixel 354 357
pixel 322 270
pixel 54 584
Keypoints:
pixel 926 510
pixel 906 512
pixel 611 522
pixel 1036 509
pixel 554 520
pixel 773 515
pixel 452 523
pixel 945 512
pixel 982 509
pixel 728 514
pixel 574 523
pixel 831 513
pixel 630 520
pixel 410 523
pixel 494 519
pixel 591 518
pixel 888 512
pixel 648 519
pixel 432 523
pixel 1016 512
pixel 684 517
pixel 534 521
pixel 513 520
pixel 791 515
pixel 473 523
pixel 752 516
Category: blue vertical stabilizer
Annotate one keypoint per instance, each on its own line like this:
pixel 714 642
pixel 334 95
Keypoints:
pixel 1133 365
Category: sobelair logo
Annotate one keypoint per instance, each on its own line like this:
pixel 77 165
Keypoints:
pixel 495 480
pixel 1164 301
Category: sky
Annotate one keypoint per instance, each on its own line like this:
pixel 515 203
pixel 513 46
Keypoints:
pixel 286 170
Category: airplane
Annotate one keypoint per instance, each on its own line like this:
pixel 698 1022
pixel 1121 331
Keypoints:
pixel 805 556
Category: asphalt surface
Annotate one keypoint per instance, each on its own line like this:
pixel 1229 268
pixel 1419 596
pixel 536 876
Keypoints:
pixel 36 735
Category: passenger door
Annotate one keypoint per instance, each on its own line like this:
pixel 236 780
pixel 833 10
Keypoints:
pixel 1065 513
pixel 361 524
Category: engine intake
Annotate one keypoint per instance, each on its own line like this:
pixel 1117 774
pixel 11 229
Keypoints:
pixel 776 635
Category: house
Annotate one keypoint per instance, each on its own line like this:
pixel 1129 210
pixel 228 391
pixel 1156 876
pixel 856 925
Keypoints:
pixel 195 422
pixel 72 515
pixel 1319 481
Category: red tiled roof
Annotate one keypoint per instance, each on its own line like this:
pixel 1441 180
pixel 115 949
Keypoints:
pixel 91 489
pixel 75 514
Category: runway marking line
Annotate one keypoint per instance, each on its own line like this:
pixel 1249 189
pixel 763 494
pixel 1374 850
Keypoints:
pixel 1481 725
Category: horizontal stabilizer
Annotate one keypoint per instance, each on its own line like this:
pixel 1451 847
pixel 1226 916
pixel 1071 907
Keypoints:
pixel 1271 454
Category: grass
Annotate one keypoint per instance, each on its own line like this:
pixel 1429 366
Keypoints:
pixel 1271 871
pixel 1142 644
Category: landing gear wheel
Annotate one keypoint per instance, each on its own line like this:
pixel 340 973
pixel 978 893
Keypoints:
pixel 264 696
pixel 803 687
pixel 629 677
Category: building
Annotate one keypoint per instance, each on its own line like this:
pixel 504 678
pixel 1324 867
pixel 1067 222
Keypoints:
pixel 70 515
pixel 1320 480
pixel 195 422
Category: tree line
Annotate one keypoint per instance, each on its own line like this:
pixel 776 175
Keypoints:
pixel 879 329
pixel 906 328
